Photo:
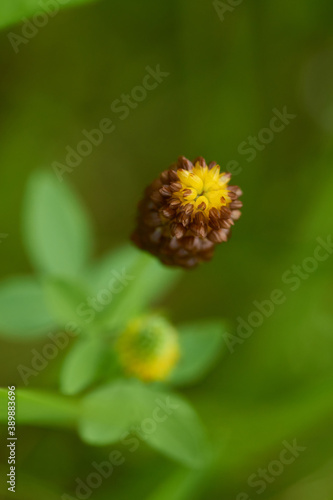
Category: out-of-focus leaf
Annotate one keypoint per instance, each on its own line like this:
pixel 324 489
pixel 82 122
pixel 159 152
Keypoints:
pixel 183 484
pixel 181 436
pixel 66 299
pixel 164 420
pixel 133 280
pixel 200 346
pixel 118 409
pixel 23 310
pixel 99 274
pixel 41 408
pixel 56 229
pixel 15 10
pixel 82 365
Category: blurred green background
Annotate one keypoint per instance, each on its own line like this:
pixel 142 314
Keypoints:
pixel 226 77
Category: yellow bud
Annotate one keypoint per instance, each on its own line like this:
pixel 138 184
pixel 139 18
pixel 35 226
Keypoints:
pixel 148 348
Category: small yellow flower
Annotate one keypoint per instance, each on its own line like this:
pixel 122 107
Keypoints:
pixel 205 188
pixel 148 348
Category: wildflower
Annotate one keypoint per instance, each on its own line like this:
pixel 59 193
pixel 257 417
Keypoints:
pixel 186 212
pixel 148 348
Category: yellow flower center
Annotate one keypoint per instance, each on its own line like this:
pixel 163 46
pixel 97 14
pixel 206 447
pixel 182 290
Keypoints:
pixel 204 188
pixel 148 348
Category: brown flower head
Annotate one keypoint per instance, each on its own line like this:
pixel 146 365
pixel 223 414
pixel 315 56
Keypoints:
pixel 188 210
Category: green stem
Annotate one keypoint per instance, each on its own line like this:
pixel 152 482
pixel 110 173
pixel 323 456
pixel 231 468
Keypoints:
pixel 41 408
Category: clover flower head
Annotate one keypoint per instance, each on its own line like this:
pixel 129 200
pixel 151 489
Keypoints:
pixel 186 212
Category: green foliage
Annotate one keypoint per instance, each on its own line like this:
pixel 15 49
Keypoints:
pixel 126 405
pixel 183 484
pixel 111 292
pixel 200 346
pixel 15 10
pixel 57 232
pixel 109 412
pixel 23 311
pixel 99 273
pixel 58 239
pixel 182 436
pixel 82 365
pixel 63 297
pixel 143 281
pixel 41 408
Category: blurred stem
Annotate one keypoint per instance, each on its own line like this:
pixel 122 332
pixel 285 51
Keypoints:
pixel 181 485
pixel 41 408
pixel 269 425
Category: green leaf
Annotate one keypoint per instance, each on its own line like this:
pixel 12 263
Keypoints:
pixel 108 412
pixel 56 230
pixel 15 10
pixel 181 436
pixel 82 365
pixel 165 421
pixel 99 273
pixel 23 310
pixel 200 345
pixel 65 299
pixel 134 280
pixel 184 484
pixel 41 408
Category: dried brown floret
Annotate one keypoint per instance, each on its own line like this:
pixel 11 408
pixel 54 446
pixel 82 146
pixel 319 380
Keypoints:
pixel 188 210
